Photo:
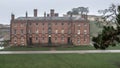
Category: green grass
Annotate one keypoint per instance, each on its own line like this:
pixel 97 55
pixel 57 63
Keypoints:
pixel 26 49
pixel 57 48
pixel 48 48
pixel 107 60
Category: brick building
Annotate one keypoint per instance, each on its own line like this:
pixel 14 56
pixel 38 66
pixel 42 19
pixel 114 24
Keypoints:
pixel 49 29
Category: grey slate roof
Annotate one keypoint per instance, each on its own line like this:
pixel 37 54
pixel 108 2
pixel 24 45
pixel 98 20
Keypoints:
pixel 50 18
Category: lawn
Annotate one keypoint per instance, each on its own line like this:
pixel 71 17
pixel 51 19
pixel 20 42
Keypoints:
pixel 107 60
pixel 89 47
pixel 48 48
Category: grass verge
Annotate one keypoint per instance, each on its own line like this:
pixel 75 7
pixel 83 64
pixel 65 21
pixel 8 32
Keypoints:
pixel 107 60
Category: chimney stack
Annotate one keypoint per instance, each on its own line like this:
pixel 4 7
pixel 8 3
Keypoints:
pixel 56 14
pixel 52 12
pixel 26 14
pixel 44 14
pixel 35 12
pixel 48 15
pixel 12 16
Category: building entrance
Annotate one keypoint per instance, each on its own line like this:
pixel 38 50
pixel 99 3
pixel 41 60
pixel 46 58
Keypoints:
pixel 30 41
pixel 69 41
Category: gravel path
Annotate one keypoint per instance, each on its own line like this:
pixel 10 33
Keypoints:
pixel 53 52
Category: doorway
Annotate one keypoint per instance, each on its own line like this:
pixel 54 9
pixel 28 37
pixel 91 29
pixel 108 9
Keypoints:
pixel 49 40
pixel 30 41
pixel 69 40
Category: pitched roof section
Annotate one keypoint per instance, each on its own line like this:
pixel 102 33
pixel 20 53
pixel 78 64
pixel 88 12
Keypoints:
pixel 51 18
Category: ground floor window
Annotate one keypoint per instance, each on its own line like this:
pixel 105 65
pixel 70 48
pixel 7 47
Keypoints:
pixel 78 40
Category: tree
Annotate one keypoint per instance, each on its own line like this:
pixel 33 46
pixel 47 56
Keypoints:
pixel 79 10
pixel 110 36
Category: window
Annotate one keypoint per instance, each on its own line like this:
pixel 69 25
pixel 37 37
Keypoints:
pixel 78 24
pixel 22 31
pixel 30 23
pixel 22 40
pixel 69 31
pixel 62 39
pixel 43 38
pixel 78 31
pixel 15 25
pixel 78 40
pixel 21 24
pixel 68 23
pixel 49 30
pixel 36 38
pixel 14 31
pixel 85 24
pixel 43 32
pixel 85 31
pixel 55 39
pixel 15 40
pixel 49 24
pixel 56 31
pixel 42 23
pixel 62 23
pixel 85 38
pixel 36 23
pixel 55 23
pixel 62 31
pixel 37 31
pixel 30 31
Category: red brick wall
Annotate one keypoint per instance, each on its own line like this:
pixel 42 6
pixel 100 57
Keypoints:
pixel 74 27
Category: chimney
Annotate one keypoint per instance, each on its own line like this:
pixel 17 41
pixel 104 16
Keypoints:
pixel 48 15
pixel 26 14
pixel 56 14
pixel 44 14
pixel 35 12
pixel 12 16
pixel 52 12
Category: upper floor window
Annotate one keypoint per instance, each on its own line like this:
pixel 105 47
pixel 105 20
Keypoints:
pixel 14 31
pixel 69 31
pixel 49 24
pixel 55 38
pixel 42 23
pixel 15 25
pixel 21 24
pixel 68 23
pixel 30 31
pixel 85 31
pixel 78 31
pixel 43 31
pixel 62 39
pixel 85 24
pixel 62 23
pixel 22 31
pixel 36 23
pixel 36 38
pixel 78 24
pixel 30 23
pixel 37 31
pixel 56 31
pixel 62 31
pixel 55 23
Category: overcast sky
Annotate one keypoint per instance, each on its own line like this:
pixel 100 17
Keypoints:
pixel 19 7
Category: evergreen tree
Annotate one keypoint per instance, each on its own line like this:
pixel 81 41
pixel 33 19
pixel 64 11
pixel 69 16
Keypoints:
pixel 110 36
